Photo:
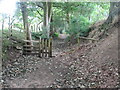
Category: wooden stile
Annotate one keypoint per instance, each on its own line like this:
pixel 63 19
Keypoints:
pixel 42 48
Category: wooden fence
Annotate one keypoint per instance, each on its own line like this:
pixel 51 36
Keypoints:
pixel 41 47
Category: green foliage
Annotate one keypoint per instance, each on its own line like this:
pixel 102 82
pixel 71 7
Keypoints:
pixel 18 13
pixel 81 14
pixel 55 34
pixel 78 11
pixel 15 33
pixel 100 12
pixel 36 35
pixel 18 25
pixel 78 26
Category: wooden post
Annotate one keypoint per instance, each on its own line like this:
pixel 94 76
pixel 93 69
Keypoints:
pixel 78 41
pixel 24 52
pixel 45 46
pixel 50 47
pixel 40 47
pixel 42 50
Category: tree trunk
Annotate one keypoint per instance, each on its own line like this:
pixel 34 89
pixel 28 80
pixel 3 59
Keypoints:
pixel 10 26
pixel 113 18
pixel 2 24
pixel 25 21
pixel 49 11
pixel 67 14
pixel 114 11
pixel 47 18
pixel 51 26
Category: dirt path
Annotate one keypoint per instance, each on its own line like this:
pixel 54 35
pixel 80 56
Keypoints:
pixel 60 46
pixel 43 74
pixel 82 68
pixel 40 72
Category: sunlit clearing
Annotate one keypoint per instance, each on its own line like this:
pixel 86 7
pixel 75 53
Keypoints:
pixel 8 6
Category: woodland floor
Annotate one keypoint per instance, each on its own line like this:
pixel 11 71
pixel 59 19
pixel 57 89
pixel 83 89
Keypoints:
pixel 93 65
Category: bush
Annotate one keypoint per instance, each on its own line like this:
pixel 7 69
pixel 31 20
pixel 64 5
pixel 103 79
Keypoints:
pixel 78 27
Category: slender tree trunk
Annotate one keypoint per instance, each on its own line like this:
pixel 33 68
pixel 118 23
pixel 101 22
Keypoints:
pixel 51 26
pixel 25 21
pixel 9 25
pixel 49 11
pixel 47 17
pixel 3 24
pixel 67 15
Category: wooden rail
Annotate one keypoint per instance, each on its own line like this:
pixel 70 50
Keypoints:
pixel 88 38
pixel 42 47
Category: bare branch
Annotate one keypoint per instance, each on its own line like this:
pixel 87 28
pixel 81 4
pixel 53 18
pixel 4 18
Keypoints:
pixel 39 13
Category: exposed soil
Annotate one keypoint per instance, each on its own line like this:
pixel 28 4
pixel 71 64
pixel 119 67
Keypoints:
pixel 93 65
